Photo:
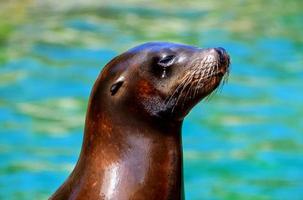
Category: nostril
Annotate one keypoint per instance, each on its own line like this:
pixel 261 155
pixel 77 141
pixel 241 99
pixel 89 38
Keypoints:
pixel 223 56
pixel 221 51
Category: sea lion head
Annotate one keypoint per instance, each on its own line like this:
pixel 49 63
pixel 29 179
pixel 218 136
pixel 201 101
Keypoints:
pixel 161 80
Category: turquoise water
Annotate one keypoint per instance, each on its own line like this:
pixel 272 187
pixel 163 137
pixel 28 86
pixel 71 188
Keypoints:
pixel 245 142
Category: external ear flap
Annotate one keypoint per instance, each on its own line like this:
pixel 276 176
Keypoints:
pixel 117 85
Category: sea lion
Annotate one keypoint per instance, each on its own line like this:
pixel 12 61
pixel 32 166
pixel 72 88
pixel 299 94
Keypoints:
pixel 132 145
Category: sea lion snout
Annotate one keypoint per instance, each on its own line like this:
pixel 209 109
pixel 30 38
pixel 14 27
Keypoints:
pixel 215 59
pixel 202 74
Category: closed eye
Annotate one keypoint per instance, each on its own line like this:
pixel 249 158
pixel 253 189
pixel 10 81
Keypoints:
pixel 166 60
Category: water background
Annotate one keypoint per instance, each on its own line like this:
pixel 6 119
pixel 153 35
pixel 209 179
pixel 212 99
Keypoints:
pixel 246 142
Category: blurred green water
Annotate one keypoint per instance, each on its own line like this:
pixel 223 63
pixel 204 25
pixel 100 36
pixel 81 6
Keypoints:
pixel 246 142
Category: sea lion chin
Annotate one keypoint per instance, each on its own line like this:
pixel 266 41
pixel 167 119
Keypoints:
pixel 132 146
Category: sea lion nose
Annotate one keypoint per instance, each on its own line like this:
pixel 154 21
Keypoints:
pixel 221 51
pixel 222 54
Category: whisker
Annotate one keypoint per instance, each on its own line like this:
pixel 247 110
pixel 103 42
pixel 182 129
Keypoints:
pixel 185 85
pixel 194 79
pixel 167 100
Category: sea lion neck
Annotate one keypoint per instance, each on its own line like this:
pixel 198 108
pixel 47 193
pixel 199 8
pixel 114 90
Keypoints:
pixel 116 127
pixel 146 158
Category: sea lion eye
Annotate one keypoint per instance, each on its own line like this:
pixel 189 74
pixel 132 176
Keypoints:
pixel 166 60
pixel 164 63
